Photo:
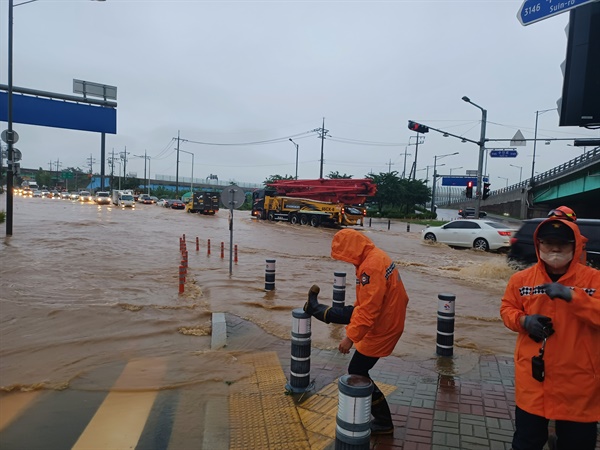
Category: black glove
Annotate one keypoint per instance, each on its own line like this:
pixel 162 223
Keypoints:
pixel 557 290
pixel 538 326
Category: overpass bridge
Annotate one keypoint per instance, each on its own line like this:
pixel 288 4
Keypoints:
pixel 575 183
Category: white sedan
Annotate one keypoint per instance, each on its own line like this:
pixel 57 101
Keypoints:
pixel 479 234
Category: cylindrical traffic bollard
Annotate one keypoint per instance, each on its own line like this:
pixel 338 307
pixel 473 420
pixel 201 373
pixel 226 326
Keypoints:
pixel 183 237
pixel 184 258
pixel 408 227
pixel 353 420
pixel 181 279
pixel 445 325
pixel 389 223
pixel 300 362
pixel 197 244
pixel 208 247
pixel 339 289
pixel 222 249
pixel 369 222
pixel 270 275
pixel 235 253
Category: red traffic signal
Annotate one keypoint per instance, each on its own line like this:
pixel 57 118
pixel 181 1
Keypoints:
pixel 486 191
pixel 469 191
pixel 417 127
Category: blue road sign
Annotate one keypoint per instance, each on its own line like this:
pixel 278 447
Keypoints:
pixel 503 153
pixel 460 180
pixel 535 10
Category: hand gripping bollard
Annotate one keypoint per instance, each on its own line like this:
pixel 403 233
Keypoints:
pixel 270 275
pixel 353 420
pixel 339 289
pixel 300 362
pixel 445 325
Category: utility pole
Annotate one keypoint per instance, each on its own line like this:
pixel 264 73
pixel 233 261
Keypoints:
pixel 177 169
pixel 58 164
pixel 146 180
pixel 91 161
pixel 111 161
pixel 390 164
pixel 123 155
pixel 322 133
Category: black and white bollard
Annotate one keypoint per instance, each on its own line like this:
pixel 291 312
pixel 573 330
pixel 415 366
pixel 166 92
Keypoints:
pixel 300 362
pixel 353 420
pixel 445 325
pixel 339 289
pixel 270 275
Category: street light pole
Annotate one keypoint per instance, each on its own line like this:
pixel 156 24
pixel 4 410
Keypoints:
pixel 481 153
pixel 296 156
pixel 192 181
pixel 537 113
pixel 520 171
pixel 435 158
pixel 505 178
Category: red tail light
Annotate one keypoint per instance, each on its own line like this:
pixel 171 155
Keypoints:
pixel 513 241
pixel 364 212
pixel 504 233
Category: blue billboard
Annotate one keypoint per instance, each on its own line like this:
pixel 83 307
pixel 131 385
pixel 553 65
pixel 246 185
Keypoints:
pixel 59 114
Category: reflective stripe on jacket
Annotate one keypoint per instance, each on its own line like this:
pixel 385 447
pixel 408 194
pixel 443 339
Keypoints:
pixel 381 300
pixel 571 389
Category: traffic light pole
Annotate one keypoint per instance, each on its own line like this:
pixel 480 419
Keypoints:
pixel 480 164
pixel 481 153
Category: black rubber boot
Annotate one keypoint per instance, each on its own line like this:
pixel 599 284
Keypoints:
pixel 382 417
pixel 327 314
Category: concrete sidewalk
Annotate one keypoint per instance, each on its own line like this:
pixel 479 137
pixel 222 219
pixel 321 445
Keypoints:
pixel 473 410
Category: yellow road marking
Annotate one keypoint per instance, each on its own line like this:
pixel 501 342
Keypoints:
pixel 12 405
pixel 120 420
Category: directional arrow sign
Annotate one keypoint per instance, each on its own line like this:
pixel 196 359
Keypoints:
pixel 535 10
pixel 504 153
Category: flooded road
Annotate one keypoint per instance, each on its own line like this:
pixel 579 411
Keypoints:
pixel 83 285
pixel 84 289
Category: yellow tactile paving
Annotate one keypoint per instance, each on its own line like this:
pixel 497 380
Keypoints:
pixel 262 416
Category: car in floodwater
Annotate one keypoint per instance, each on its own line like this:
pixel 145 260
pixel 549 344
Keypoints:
pixel 471 233
pixel 102 198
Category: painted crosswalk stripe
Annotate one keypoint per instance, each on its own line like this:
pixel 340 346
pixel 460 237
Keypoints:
pixel 12 405
pixel 120 420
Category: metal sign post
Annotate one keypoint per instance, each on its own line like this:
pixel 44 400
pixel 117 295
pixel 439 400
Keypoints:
pixel 233 197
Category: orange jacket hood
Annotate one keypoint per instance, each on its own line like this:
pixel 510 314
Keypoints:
pixel 380 308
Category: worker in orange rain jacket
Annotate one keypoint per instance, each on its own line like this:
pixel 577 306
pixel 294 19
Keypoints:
pixel 376 321
pixel 555 308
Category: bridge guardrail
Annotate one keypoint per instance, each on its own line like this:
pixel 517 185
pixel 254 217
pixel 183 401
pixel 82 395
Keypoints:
pixel 569 166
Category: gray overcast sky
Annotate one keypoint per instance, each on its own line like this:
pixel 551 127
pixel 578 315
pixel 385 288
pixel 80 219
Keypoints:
pixel 246 71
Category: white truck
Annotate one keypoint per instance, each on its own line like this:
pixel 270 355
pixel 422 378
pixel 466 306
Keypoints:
pixel 123 198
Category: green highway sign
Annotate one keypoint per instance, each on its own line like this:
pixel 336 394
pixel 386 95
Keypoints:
pixel 66 175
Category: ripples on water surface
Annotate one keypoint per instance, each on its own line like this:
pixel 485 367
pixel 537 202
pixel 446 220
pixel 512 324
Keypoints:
pixel 84 286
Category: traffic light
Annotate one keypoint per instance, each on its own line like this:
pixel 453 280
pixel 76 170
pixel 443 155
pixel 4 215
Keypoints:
pixel 469 189
pixel 417 127
pixel 486 191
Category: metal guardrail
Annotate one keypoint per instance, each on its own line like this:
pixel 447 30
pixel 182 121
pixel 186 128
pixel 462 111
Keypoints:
pixel 558 171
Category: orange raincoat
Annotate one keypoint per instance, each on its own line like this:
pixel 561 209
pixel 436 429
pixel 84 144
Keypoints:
pixel 380 309
pixel 571 389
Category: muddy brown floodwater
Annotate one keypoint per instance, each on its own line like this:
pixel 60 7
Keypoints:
pixel 83 286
